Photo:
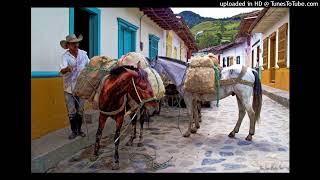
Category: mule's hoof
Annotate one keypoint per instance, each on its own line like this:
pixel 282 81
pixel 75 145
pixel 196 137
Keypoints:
pixel 198 126
pixel 115 166
pixel 94 158
pixel 140 144
pixel 249 138
pixel 193 130
pixel 186 134
pixel 200 120
pixel 232 134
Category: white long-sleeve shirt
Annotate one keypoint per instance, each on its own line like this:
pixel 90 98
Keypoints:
pixel 77 65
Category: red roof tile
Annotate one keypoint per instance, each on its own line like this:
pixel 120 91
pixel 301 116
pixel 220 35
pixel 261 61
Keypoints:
pixel 167 20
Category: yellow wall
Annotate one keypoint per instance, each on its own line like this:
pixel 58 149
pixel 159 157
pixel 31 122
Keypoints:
pixel 265 76
pixel 169 44
pixel 281 81
pixel 48 109
pixel 175 53
pixel 181 51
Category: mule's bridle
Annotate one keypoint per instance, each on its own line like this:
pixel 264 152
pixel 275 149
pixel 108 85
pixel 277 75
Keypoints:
pixel 134 105
pixel 135 88
pixel 142 102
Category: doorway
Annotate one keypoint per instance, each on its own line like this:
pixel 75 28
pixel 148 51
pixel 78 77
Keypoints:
pixel 258 55
pixel 81 26
pixel 272 57
pixel 252 58
pixel 86 21
pixel 228 61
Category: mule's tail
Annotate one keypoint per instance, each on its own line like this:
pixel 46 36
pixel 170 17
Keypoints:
pixel 257 96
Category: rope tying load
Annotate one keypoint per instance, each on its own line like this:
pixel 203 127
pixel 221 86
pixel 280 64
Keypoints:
pixel 238 79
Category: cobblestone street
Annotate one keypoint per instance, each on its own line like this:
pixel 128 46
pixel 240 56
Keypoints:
pixel 209 150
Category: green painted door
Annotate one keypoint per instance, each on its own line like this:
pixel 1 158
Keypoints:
pixel 153 46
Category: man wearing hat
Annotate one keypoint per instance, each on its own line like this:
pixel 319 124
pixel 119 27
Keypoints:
pixel 73 61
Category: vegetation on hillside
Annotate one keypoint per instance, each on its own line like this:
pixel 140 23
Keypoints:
pixel 215 33
pixel 212 32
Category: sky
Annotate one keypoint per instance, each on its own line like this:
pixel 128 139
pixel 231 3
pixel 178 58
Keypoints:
pixel 216 12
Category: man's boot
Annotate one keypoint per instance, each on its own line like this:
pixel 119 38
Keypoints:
pixel 73 124
pixel 79 124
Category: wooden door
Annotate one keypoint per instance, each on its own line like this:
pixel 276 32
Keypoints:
pixel 273 57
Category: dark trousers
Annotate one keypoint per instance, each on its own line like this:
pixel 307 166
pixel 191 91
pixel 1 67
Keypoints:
pixel 75 111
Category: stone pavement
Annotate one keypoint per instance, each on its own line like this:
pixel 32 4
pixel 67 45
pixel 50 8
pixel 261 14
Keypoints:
pixel 48 150
pixel 209 150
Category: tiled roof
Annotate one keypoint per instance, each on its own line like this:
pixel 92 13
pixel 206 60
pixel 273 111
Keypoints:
pixel 167 20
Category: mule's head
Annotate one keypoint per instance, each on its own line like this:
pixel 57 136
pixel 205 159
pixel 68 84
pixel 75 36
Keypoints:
pixel 144 89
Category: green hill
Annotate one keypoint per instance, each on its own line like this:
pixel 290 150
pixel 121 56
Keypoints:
pixel 215 31
pixel 192 18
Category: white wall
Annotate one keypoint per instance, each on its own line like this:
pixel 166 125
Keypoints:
pixel 254 38
pixel 109 30
pixel 149 27
pixel 234 51
pixel 48 27
pixel 164 41
pixel 185 51
pixel 176 42
pixel 274 28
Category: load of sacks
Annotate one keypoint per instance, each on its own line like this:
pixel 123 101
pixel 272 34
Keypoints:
pixel 139 61
pixel 92 77
pixel 200 76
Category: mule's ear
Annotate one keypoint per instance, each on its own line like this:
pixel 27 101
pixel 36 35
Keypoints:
pixel 139 65
pixel 134 73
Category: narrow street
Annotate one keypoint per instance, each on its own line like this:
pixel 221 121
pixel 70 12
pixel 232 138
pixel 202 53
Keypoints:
pixel 209 150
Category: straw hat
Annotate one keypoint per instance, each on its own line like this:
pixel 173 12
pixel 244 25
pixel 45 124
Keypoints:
pixel 70 38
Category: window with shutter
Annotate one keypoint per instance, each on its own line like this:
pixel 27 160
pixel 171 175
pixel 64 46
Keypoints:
pixel 265 53
pixel 153 46
pixel 169 44
pixel 126 37
pixel 282 46
pixel 181 51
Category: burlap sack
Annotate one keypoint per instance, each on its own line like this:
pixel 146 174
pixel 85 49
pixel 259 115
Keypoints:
pixel 156 82
pixel 201 62
pixel 95 98
pixel 200 80
pixel 133 59
pixel 214 59
pixel 90 77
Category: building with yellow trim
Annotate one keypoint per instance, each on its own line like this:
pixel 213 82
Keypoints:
pixel 107 31
pixel 175 47
pixel 275 26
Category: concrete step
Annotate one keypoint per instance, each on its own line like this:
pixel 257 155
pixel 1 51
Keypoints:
pixel 278 95
pixel 50 149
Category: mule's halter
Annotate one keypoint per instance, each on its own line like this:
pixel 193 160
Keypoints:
pixel 142 102
pixel 135 88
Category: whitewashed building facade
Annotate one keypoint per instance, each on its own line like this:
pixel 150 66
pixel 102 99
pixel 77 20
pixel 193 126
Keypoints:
pixel 111 32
